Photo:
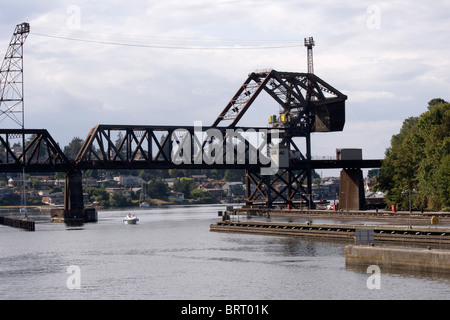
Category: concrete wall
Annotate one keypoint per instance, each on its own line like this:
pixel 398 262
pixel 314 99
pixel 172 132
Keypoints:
pixel 435 260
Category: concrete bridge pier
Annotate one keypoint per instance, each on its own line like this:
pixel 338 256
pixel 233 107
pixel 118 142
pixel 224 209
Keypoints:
pixel 74 210
pixel 351 190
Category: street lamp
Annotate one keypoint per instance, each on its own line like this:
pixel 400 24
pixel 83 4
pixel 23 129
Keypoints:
pixel 409 199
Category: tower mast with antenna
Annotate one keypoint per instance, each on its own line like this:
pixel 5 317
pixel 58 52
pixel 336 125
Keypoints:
pixel 11 89
pixel 309 44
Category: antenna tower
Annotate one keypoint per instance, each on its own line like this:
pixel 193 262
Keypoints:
pixel 309 44
pixel 11 78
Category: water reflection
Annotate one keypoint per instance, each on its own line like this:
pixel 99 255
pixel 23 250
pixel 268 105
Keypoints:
pixel 404 272
pixel 172 254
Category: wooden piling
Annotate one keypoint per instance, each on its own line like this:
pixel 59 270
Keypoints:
pixel 18 223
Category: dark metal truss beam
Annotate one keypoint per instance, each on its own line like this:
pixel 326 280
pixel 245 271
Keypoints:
pixel 162 147
pixel 41 152
pixel 301 93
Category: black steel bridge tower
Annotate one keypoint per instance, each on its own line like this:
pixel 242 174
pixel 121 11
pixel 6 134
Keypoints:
pixel 307 104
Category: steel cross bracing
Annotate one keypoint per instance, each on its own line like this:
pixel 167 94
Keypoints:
pixel 286 186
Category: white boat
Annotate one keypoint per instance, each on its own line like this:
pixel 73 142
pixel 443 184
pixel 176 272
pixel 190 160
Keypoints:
pixel 130 219
pixel 144 204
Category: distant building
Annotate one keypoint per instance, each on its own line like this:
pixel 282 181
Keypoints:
pixel 199 178
pixel 90 182
pixel 129 181
pixel 170 181
pixel 327 189
pixel 178 196
pixel 234 189
pixel 375 200
pixel 54 199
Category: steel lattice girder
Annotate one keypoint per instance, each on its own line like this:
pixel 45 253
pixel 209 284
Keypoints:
pixel 309 99
pixel 160 147
pixel 40 154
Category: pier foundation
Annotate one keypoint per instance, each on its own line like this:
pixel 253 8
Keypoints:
pixel 74 210
pixel 351 190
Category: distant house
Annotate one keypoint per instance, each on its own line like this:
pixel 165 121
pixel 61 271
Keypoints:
pixel 55 199
pixel 170 181
pixel 90 182
pixel 199 178
pixel 129 181
pixel 44 193
pixel 178 196
pixel 234 189
pixel 60 183
pixel 214 188
pixel 215 192
pixel 328 188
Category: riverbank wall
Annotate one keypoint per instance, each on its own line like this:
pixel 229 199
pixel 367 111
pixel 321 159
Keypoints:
pixel 428 259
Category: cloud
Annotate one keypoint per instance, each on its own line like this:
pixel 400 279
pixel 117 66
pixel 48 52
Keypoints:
pixel 389 70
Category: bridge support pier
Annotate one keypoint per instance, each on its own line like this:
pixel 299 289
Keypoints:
pixel 351 190
pixel 74 210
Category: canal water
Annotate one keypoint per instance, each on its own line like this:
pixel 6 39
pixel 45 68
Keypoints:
pixel 171 254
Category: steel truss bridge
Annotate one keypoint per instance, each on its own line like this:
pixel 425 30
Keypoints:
pixel 278 169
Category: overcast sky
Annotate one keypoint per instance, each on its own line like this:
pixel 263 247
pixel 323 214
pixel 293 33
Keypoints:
pixel 176 62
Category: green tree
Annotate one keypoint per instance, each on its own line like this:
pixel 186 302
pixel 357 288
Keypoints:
pixel 201 196
pixel 185 186
pixel 71 150
pixel 117 199
pixel 99 195
pixel 419 158
pixel 157 189
pixel 234 175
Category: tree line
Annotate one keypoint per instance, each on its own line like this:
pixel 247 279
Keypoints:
pixel 417 164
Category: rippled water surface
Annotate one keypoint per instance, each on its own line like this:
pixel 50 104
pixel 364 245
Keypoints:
pixel 171 254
